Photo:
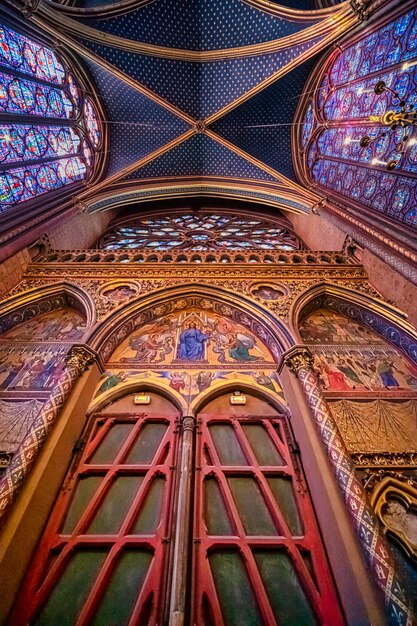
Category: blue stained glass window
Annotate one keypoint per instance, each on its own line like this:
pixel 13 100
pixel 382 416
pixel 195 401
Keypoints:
pixel 200 232
pixel 307 124
pixel 17 52
pixel 334 157
pixel 17 185
pixel 21 142
pixel 39 157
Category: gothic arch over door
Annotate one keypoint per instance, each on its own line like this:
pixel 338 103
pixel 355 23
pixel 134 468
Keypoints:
pixel 108 553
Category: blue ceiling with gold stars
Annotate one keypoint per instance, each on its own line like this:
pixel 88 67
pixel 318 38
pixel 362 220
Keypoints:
pixel 197 25
pixel 201 89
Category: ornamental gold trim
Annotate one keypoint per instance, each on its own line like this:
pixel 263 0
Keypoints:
pixel 395 505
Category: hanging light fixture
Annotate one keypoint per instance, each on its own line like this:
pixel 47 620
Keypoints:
pixel 405 118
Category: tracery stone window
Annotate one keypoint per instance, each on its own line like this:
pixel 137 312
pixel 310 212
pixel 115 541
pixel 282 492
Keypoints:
pixel 337 117
pixel 49 131
pixel 201 232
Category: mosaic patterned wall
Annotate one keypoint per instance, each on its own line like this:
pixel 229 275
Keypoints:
pixel 331 151
pixel 34 81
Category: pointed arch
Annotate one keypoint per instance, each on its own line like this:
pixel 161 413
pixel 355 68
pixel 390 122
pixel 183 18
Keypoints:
pixel 290 198
pixel 377 315
pixel 228 386
pixel 128 387
pixel 22 307
pixel 115 328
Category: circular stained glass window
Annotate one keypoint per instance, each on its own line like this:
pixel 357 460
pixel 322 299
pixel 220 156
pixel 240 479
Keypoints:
pixel 200 232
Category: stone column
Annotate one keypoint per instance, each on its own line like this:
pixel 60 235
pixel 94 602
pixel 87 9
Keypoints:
pixel 182 530
pixel 299 360
pixel 77 360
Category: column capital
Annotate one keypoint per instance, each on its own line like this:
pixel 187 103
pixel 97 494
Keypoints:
pixel 188 422
pixel 81 356
pixel 361 10
pixel 296 358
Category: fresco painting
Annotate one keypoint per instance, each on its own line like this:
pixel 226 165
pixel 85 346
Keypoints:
pixel 325 326
pixel 64 324
pixel 350 357
pixel 377 425
pixel 190 382
pixel 120 293
pixel 369 368
pixel 16 417
pixel 194 337
pixel 29 367
pixel 266 292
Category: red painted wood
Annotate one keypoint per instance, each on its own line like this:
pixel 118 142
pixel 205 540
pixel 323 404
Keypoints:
pixel 40 581
pixel 323 598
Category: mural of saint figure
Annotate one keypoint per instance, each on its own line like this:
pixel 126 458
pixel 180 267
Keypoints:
pixel 192 342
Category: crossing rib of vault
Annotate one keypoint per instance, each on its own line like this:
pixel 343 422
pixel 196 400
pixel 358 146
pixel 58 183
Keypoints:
pixel 201 94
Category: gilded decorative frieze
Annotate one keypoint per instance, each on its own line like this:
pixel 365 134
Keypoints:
pixel 111 286
pixel 153 270
pixel 385 459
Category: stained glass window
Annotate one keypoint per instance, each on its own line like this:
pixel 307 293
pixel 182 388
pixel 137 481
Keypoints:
pixel 41 155
pixel 342 106
pixel 200 232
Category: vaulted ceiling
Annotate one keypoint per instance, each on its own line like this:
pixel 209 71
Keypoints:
pixel 198 94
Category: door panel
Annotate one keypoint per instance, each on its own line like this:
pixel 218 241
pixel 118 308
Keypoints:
pixel 258 557
pixel 103 555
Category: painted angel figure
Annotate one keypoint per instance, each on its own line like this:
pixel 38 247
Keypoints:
pixel 240 346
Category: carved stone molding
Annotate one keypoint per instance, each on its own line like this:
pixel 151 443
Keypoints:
pixel 395 505
pixel 188 422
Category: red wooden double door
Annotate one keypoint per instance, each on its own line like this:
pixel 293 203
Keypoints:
pixel 257 558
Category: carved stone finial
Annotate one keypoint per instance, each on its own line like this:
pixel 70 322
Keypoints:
pixel 80 358
pixel 299 359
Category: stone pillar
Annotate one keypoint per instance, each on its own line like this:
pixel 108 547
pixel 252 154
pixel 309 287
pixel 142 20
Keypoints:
pixel 183 524
pixel 299 360
pixel 77 360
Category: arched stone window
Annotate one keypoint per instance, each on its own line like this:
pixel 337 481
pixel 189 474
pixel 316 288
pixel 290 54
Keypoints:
pixel 49 126
pixel 337 116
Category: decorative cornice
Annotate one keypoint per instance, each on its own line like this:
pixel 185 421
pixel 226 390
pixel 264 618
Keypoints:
pixel 247 255
pixel 231 270
pixel 385 459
